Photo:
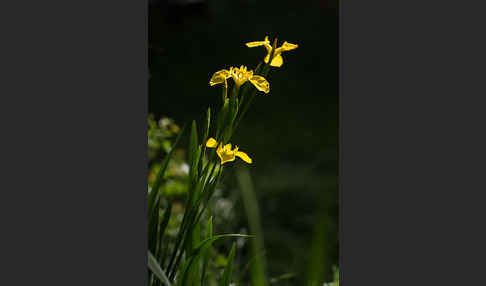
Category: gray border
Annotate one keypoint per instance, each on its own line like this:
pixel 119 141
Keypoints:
pixel 74 165
pixel 411 122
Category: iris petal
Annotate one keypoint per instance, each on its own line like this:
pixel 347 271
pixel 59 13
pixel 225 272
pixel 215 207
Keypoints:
pixel 277 61
pixel 286 46
pixel 211 143
pixel 219 77
pixel 260 83
pixel 255 44
pixel 244 157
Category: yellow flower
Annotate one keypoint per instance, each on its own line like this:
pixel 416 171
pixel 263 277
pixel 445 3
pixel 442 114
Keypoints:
pixel 277 60
pixel 240 76
pixel 225 153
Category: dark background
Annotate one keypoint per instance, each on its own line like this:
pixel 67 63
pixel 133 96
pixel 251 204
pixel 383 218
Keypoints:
pixel 291 133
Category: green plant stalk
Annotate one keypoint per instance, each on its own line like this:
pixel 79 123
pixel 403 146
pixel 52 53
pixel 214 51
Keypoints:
pixel 193 204
pixel 264 72
pixel 207 126
pixel 193 256
pixel 318 264
pixel 221 118
pixel 233 111
pixel 248 87
pixel 194 214
pixel 181 237
pixel 210 194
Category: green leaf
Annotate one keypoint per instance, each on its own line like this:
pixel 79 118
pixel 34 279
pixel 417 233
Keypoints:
pixel 194 170
pixel 193 145
pixel 162 228
pixel 207 125
pixel 258 268
pixel 318 264
pixel 216 237
pixel 228 270
pixel 153 225
pixel 154 266
pixel 194 236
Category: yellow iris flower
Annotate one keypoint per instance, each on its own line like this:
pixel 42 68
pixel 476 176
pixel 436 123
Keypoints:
pixel 225 153
pixel 240 76
pixel 277 60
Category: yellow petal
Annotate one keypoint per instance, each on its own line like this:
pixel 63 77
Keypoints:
pixel 244 157
pixel 225 156
pixel 219 77
pixel 267 57
pixel 211 143
pixel 286 46
pixel 260 83
pixel 255 44
pixel 227 147
pixel 220 148
pixel 258 43
pixel 277 61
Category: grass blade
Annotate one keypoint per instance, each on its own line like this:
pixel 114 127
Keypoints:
pixel 258 268
pixel 162 228
pixel 317 267
pixel 206 250
pixel 228 270
pixel 156 269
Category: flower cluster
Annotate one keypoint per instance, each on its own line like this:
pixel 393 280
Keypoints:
pixel 239 100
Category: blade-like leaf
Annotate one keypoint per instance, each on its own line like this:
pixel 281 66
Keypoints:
pixel 207 125
pixel 206 250
pixel 205 138
pixel 216 237
pixel 193 150
pixel 162 228
pixel 318 264
pixel 192 272
pixel 228 270
pixel 153 225
pixel 157 270
pixel 258 268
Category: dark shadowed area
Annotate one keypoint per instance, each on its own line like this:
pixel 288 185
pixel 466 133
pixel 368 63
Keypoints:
pixel 291 133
